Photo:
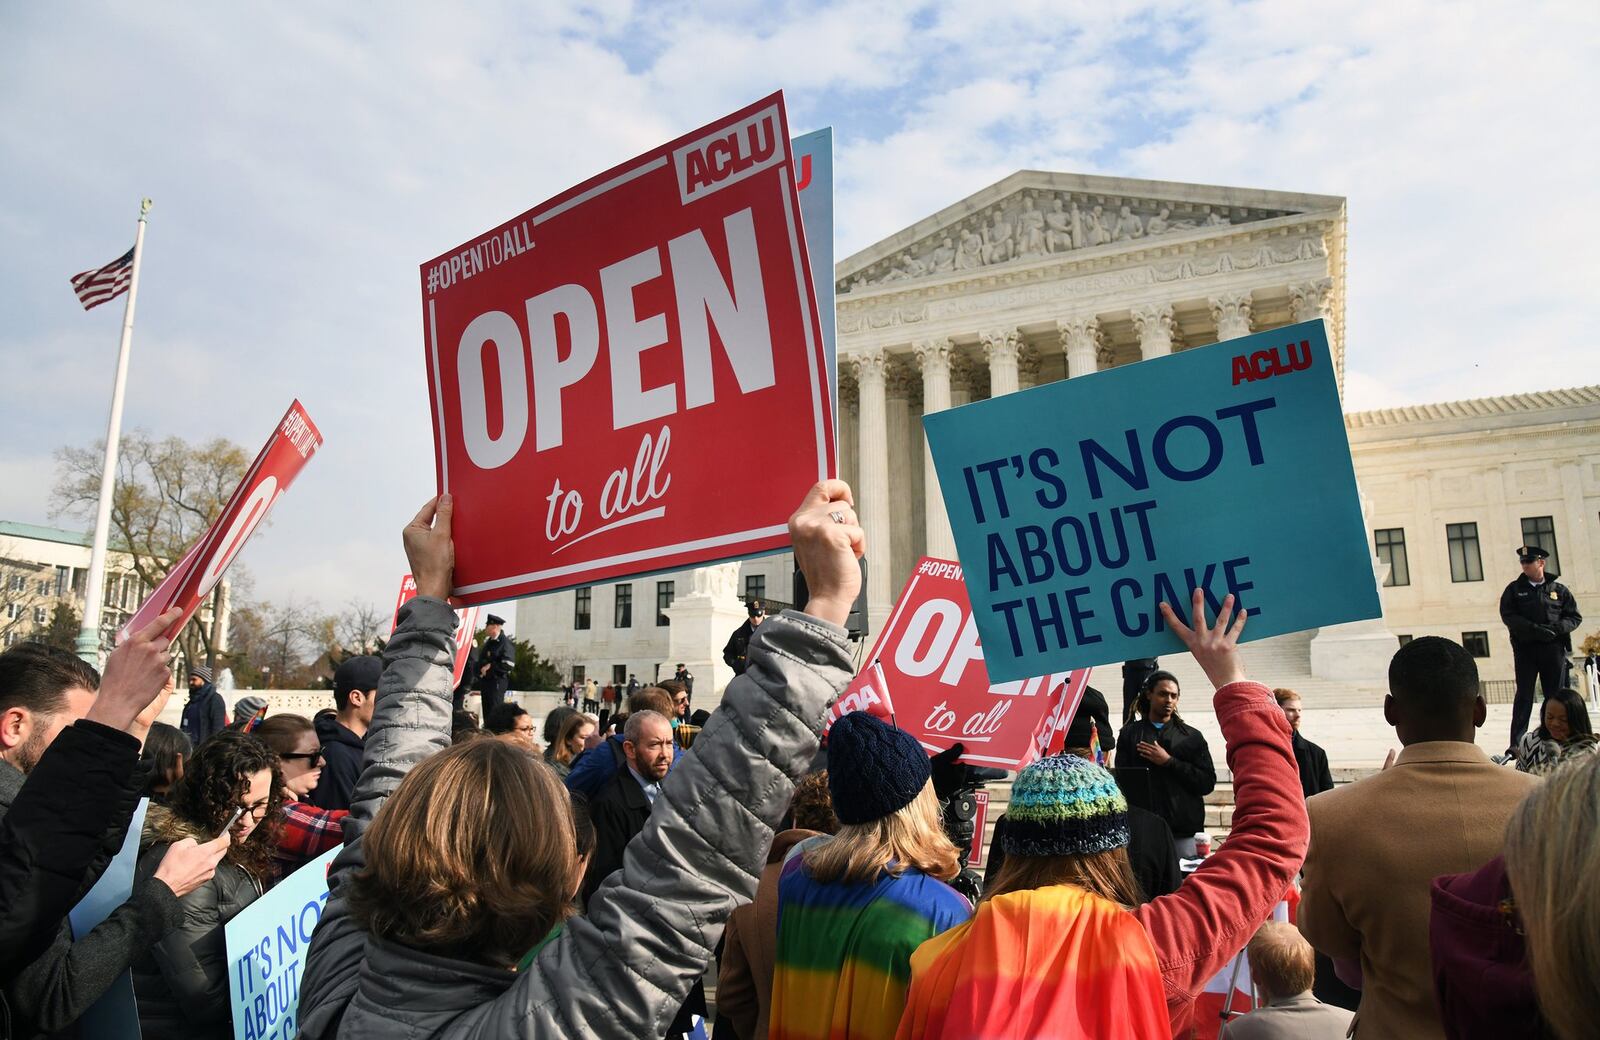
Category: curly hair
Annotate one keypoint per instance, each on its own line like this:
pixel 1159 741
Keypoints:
pixel 214 782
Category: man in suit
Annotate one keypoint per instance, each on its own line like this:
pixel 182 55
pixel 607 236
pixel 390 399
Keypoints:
pixel 621 810
pixel 1281 965
pixel 495 661
pixel 1377 845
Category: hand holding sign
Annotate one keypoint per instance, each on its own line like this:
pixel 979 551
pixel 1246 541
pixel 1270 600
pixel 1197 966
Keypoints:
pixel 429 549
pixel 1215 648
pixel 188 864
pixel 828 541
pixel 134 675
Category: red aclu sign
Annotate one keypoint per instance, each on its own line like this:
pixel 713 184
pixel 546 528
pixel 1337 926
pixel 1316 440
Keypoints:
pixel 630 377
pixel 285 454
pixel 928 677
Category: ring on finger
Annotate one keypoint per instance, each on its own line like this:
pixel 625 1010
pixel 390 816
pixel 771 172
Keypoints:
pixel 836 516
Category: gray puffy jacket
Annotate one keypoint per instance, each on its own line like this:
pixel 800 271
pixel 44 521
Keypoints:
pixel 623 970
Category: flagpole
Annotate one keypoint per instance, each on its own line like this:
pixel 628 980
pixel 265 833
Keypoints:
pixel 94 591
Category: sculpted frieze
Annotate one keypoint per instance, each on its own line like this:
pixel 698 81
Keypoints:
pixel 1036 223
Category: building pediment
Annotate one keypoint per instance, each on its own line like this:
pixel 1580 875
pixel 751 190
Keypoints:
pixel 1035 216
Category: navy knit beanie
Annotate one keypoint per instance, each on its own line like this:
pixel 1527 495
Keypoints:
pixel 874 769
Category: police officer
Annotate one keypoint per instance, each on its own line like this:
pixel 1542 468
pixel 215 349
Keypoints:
pixel 1541 615
pixel 495 662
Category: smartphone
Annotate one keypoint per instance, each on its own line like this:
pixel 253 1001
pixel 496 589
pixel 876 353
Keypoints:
pixel 231 821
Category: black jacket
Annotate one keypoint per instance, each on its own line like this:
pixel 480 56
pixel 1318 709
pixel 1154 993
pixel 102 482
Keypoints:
pixel 181 982
pixel 341 763
pixel 64 824
pixel 48 996
pixel 619 811
pixel 1150 852
pixel 733 654
pixel 501 657
pixel 203 714
pixel 1539 616
pixel 1177 789
pixel 1313 762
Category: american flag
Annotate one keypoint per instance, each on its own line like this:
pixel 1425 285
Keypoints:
pixel 105 283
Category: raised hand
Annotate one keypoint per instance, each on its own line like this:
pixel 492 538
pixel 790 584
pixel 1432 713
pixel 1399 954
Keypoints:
pixel 828 541
pixel 1215 647
pixel 429 549
pixel 135 673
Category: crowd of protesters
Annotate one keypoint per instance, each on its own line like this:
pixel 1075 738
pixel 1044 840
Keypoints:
pixel 583 878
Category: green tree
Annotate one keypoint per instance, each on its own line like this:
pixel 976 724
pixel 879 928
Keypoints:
pixel 63 628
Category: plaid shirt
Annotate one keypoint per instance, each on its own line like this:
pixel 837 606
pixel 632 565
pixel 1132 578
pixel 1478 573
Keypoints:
pixel 308 832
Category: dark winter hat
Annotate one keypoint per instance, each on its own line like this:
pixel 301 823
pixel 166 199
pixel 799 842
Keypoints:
pixel 1065 806
pixel 245 708
pixel 358 673
pixel 201 671
pixel 494 619
pixel 874 769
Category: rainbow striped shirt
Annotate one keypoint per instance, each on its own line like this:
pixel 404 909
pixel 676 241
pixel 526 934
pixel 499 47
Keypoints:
pixel 843 959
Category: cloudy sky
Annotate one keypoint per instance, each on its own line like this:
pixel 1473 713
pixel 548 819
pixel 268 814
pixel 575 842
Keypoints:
pixel 305 158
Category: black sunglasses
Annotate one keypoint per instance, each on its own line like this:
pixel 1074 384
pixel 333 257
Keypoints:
pixel 312 757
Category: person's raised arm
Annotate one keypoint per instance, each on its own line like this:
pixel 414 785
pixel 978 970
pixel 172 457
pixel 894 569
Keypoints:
pixel 410 722
pixel 1212 915
pixel 625 969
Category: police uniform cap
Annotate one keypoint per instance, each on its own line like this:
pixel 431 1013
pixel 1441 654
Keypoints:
pixel 494 619
pixel 1529 553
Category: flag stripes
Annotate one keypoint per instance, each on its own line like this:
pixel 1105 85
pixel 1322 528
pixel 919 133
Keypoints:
pixel 105 283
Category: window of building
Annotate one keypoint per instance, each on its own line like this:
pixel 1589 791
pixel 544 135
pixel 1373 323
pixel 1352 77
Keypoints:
pixel 40 615
pixel 755 586
pixel 579 674
pixel 63 580
pixel 1466 563
pixel 13 611
pixel 622 612
pixel 1405 639
pixel 44 586
pixel 1541 531
pixel 1477 643
pixel 665 590
pixel 619 678
pixel 1390 543
pixel 12 636
pixel 19 583
pixel 580 608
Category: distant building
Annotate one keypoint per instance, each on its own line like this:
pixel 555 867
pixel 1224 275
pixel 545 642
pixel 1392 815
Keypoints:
pixel 44 567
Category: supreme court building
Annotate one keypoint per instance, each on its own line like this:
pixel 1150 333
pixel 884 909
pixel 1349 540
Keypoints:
pixel 1047 276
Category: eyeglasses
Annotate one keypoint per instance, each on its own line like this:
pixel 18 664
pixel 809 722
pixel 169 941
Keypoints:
pixel 258 810
pixel 313 758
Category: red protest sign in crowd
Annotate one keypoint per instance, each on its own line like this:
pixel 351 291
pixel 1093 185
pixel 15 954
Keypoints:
pixel 600 367
pixel 466 626
pixel 928 677
pixel 293 442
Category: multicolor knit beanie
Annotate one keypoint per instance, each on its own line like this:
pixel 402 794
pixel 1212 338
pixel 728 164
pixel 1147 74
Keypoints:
pixel 1065 806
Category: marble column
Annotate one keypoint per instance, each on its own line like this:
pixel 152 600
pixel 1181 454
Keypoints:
pixel 849 427
pixel 1080 341
pixel 933 355
pixel 1309 300
pixel 872 496
pixel 902 384
pixel 1156 328
pixel 1231 312
pixel 960 380
pixel 1027 368
pixel 1002 347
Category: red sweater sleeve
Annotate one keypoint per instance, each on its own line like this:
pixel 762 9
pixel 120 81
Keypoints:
pixel 1210 918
